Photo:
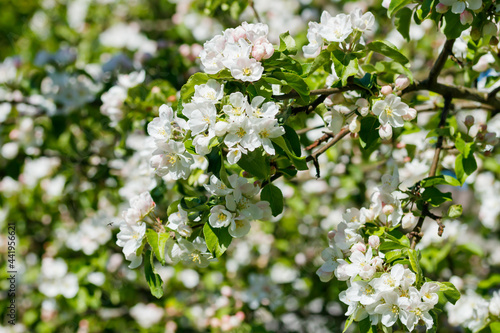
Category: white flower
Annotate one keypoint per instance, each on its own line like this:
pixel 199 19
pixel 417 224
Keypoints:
pixel 361 265
pixel 202 141
pixel 362 22
pixel 130 237
pixel 332 78
pixel 146 315
pixel 186 251
pixel 247 69
pixel 166 126
pixel 330 255
pixel 266 130
pixel 494 306
pixel 201 116
pixel 236 51
pixel 220 217
pixel 335 121
pixel 363 292
pixel 389 281
pixel 313 49
pixel 242 132
pixel 335 29
pixel 409 221
pixel 178 218
pixel 428 292
pixel 217 187
pixel 234 154
pixel 413 311
pixel 239 227
pixel 390 111
pixel 390 309
pixel 172 158
pixel 458 6
pixel 132 79
pixel 212 91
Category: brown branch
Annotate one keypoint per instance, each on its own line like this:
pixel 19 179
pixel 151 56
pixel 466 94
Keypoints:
pixel 492 94
pixel 416 235
pixel 311 107
pixel 252 5
pixel 343 132
pixel 441 60
pixel 316 92
pixel 319 141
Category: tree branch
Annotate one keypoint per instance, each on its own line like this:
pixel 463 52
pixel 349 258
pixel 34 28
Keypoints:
pixel 319 141
pixel 343 132
pixel 441 60
pixel 416 235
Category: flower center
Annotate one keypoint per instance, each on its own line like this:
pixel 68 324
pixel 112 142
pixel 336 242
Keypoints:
pixel 247 71
pixel 241 132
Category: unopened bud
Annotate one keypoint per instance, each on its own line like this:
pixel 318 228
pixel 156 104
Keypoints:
pixel 386 90
pixel 385 132
pixel 361 247
pixel 410 114
pixel 441 9
pixel 246 174
pixel 490 29
pixel 388 209
pixel 475 34
pixel 374 241
pixel 331 235
pixel 171 98
pixel 409 221
pixel 355 125
pixel 469 121
pixel 272 170
pixel 494 41
pixel 363 106
pixel 483 127
pixel 155 90
pixel 466 18
pixel 402 82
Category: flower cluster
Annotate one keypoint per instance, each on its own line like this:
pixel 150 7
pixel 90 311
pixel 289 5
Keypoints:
pixel 336 29
pixel 212 119
pixel 133 228
pixel 392 112
pixel 240 50
pixel 55 279
pixel 385 292
pixel 460 7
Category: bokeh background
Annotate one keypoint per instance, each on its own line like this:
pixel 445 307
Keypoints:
pixel 73 152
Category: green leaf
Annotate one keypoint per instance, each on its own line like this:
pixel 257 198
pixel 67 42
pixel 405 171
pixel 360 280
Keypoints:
pixel 393 255
pixel 389 50
pixel 495 327
pixel 299 162
pixel 346 65
pixel 452 27
pixel 368 134
pixel 187 89
pixel 324 58
pixel 255 163
pixel 435 197
pixel 455 211
pixel 415 266
pixel 273 195
pixel 396 5
pixel 348 323
pixel 293 140
pixel 398 237
pixel 493 280
pixel 295 82
pixel 449 290
pixel 214 161
pixel 464 166
pixel 402 22
pixel 439 180
pixel 287 44
pixel 154 280
pixel 391 245
pixel 217 239
pixel 157 242
pixel 365 326
pixel 464 147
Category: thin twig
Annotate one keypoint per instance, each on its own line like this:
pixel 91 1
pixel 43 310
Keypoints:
pixel 319 141
pixel 343 132
pixel 307 129
pixel 416 235
pixel 311 107
pixel 252 5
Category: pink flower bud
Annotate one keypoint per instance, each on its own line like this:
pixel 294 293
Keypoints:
pixel 409 221
pixel 441 9
pixel 240 315
pixel 402 82
pixel 388 209
pixel 377 262
pixel 196 49
pixel 262 49
pixel 374 241
pixel 386 90
pixel 361 247
pixel 385 132
pixel 469 121
pixel 331 235
pixel 410 114
pixel 466 17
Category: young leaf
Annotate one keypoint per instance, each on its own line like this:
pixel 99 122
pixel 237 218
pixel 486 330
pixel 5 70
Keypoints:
pixel 455 211
pixel 287 44
pixel 217 239
pixel 157 242
pixel 402 22
pixel 299 162
pixel 154 280
pixel 273 195
pixel 450 291
pixel 388 50
pixel 435 197
pixel 255 163
pixel 395 5
pixel 187 89
pixel 415 266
